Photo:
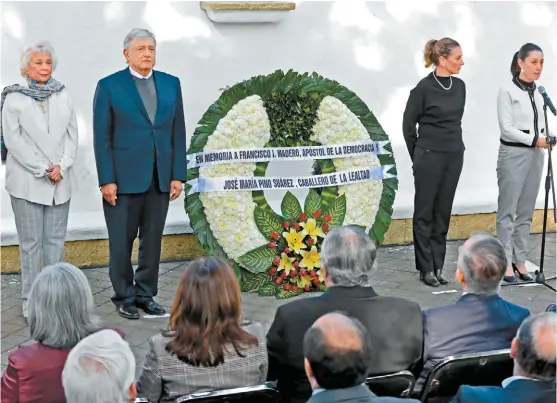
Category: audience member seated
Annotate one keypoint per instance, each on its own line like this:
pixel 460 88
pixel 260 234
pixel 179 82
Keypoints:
pixel 60 310
pixel 394 324
pixel 533 380
pixel 100 369
pixel 205 347
pixel 337 353
pixel 480 320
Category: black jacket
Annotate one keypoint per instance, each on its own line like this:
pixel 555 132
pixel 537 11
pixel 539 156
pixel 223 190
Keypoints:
pixel 394 326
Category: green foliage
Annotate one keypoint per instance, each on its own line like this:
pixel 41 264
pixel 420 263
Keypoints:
pixel 337 211
pixel 292 116
pixel 258 260
pixel 313 203
pixel 267 221
pixel 290 207
pixel 254 281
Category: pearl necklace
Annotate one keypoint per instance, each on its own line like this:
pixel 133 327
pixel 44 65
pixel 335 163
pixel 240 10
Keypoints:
pixel 438 82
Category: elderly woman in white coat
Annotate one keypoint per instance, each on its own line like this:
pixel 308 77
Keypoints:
pixel 39 144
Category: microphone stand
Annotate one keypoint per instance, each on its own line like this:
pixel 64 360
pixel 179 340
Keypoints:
pixel 549 185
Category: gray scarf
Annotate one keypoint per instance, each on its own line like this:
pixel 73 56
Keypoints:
pixel 39 92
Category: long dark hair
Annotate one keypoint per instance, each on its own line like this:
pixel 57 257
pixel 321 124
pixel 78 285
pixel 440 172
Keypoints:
pixel 522 54
pixel 205 315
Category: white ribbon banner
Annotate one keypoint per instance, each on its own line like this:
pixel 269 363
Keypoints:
pixel 286 153
pixel 201 185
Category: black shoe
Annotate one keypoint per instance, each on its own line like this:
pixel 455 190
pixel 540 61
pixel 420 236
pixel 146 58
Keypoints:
pixel 429 279
pixel 510 279
pixel 442 280
pixel 522 276
pixel 151 307
pixel 128 312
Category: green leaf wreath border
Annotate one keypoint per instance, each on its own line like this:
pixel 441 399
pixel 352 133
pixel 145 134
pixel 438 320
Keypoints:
pixel 289 82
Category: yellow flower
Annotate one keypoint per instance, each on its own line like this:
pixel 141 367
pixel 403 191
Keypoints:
pixel 320 275
pixel 285 262
pixel 304 280
pixel 311 229
pixel 310 259
pixel 295 240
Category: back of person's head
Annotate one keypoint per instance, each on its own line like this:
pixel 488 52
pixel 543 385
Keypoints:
pixel 534 347
pixel 482 263
pixel 348 257
pixel 205 315
pixel 61 307
pixel 100 369
pixel 337 352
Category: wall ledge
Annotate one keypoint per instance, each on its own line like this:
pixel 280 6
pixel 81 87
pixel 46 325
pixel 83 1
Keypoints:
pixel 246 11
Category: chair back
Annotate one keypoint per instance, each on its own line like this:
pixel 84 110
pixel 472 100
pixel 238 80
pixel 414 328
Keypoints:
pixel 399 384
pixel 265 393
pixel 489 368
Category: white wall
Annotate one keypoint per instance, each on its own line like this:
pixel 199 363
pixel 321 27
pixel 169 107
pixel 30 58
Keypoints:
pixel 372 48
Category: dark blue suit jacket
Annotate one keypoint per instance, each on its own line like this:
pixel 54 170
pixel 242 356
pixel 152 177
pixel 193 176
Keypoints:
pixel 518 391
pixel 474 324
pixel 355 394
pixel 127 144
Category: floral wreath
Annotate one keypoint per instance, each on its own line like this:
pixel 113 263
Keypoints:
pixel 278 254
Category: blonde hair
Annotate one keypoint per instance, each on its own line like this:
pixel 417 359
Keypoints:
pixel 434 49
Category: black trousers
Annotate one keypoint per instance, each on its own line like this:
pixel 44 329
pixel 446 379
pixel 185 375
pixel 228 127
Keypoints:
pixel 142 214
pixel 436 176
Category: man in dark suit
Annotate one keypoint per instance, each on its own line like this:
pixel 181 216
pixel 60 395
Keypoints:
pixel 337 353
pixel 480 320
pixel 394 324
pixel 533 380
pixel 140 150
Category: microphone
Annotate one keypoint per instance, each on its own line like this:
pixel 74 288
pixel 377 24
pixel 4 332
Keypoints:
pixel 547 100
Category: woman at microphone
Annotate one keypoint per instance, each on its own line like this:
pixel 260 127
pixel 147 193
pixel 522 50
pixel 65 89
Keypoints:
pixel 521 158
pixel 436 105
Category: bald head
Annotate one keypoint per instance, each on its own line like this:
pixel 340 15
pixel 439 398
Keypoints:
pixel 338 351
pixel 340 332
pixel 535 346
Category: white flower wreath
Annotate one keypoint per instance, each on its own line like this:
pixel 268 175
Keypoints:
pixel 246 125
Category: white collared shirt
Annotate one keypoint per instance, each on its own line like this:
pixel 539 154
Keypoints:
pixel 136 74
pixel 506 382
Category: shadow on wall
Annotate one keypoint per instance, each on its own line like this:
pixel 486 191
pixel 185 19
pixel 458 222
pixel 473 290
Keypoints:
pixel 372 48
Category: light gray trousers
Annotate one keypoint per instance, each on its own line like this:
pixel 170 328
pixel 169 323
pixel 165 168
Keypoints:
pixel 41 231
pixel 519 174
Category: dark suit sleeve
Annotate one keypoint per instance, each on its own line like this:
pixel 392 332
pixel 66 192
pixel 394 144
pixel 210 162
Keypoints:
pixel 412 113
pixel 179 140
pixel 10 382
pixel 425 325
pixel 276 346
pixel 102 136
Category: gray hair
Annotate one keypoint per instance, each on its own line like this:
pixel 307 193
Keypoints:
pixel 536 346
pixel 99 369
pixel 43 46
pixel 61 307
pixel 483 263
pixel 349 256
pixel 138 33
